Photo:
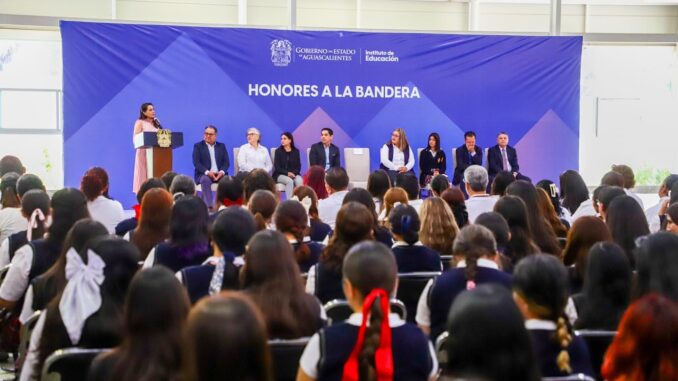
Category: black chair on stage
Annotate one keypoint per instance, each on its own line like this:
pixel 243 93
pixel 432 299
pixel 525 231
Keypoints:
pixel 597 342
pixel 410 287
pixel 286 355
pixel 338 310
pixel 71 364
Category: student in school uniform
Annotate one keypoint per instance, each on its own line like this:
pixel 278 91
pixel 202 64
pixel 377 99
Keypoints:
pixel 411 255
pixel 291 219
pixel 35 208
pixel 369 278
pixel 477 250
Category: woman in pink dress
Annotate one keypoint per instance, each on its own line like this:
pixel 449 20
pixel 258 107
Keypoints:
pixel 146 123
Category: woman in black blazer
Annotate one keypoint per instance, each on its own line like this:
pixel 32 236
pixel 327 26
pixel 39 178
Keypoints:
pixel 432 160
pixel 287 164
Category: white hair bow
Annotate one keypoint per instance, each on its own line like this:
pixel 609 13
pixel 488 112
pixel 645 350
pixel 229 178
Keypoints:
pixel 305 202
pixel 81 297
pixel 33 222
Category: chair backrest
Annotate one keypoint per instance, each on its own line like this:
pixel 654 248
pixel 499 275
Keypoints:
pixel 273 153
pixel 236 169
pixel 454 158
pixel 486 164
pixel 597 342
pixel 308 157
pixel 447 261
pixel 357 165
pixel 71 364
pixel 25 337
pixel 441 350
pixel 338 310
pixel 410 287
pixel 286 355
pixel 572 377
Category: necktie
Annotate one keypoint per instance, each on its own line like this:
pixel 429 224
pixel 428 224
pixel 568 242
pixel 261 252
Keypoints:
pixel 504 159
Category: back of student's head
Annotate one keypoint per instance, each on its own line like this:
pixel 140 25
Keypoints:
pixel 474 242
pixel 612 178
pixel 291 218
pixel 35 206
pixel 305 191
pixel 10 163
pixel 147 185
pixel 188 223
pixel 167 178
pixel 573 190
pixel 657 265
pixel 584 233
pixel 409 183
pixel 439 184
pixel 438 225
pixel 8 190
pixel 391 198
pixel 256 180
pixel 404 222
pixel 645 345
pixel 626 221
pixel 354 224
pixel 232 229
pixel 629 180
pixel 28 182
pixel 337 179
pixel 370 265
pixel 501 181
pixel 552 191
pixel 225 339
pixel 488 339
pixel 68 206
pixel 607 287
pixel 476 178
pixel 315 179
pixel 156 208
pixel 378 183
pixel 262 205
pixel 497 224
pixel 229 191
pixel 514 211
pixel 542 232
pixel 182 185
pixel 361 196
pixel 607 195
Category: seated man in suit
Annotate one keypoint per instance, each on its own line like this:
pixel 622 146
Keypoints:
pixel 210 160
pixel 324 153
pixel 468 154
pixel 503 157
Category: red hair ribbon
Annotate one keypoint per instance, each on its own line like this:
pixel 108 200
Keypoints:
pixel 383 357
pixel 226 202
pixel 137 211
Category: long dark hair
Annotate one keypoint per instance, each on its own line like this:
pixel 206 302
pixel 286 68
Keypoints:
pixel 364 197
pixel 68 206
pixel 488 339
pixel 291 218
pixel 104 328
pixel 658 265
pixel 585 232
pixel 472 243
pixel 225 339
pixel 154 220
pixel 291 138
pixel 354 224
pixel 500 182
pixel 542 233
pixel 607 287
pixel 369 266
pixel 573 190
pixel 32 200
pixel 156 308
pixel 435 136
pixel 627 222
pixel 232 229
pixel 262 205
pixel 10 198
pixel 272 279
pixel 378 183
pixel 188 226
pixel 514 211
pixel 455 199
pixel 143 109
pixel 404 221
pixel 552 191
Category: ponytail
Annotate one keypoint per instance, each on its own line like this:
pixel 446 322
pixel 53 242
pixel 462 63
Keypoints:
pixel 260 221
pixel 405 222
pixel 471 260
pixel 35 206
pixel 303 251
pixel 564 338
pixel 373 345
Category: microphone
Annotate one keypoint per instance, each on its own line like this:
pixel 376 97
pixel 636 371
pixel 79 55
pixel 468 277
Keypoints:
pixel 156 122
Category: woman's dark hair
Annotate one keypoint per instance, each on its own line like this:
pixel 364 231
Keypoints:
pixel 435 136
pixel 455 199
pixel 500 182
pixel 550 214
pixel 439 184
pixel 154 220
pixel 585 232
pixel 541 281
pixel 472 243
pixel 354 224
pixel 68 206
pixel 104 328
pixel 674 193
pixel 225 339
pixel 488 339
pixel 542 232
pixel 291 217
pixel 256 180
pixel 262 204
pixel 405 222
pixel 156 308
pixel 573 190
pixel 144 108
pixel 626 221
pixel 232 229
pixel 612 178
pixel 229 191
pixel 182 185
pixel 167 178
pixel 147 185
pixel 91 186
pixel 514 211
pixel 607 287
pixel 364 197
pixel 32 200
pixel 291 138
pixel 188 226
pixel 497 225
pixel 378 183
pixel 658 265
pixel 27 182
pixel 672 212
pixel 303 191
pixel 606 195
pixel 645 345
pixel 10 198
pixel 629 180
pixel 368 266
pixel 315 179
pixel 552 191
pixel 9 163
pixel 271 278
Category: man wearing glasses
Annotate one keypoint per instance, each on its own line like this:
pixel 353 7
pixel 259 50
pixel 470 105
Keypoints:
pixel 210 160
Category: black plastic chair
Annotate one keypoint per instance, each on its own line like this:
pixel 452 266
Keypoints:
pixel 71 364
pixel 286 355
pixel 338 310
pixel 410 287
pixel 441 351
pixel 597 342
pixel 447 261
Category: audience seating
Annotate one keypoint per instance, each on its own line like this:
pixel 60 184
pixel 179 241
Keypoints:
pixel 357 166
pixel 454 159
pixel 285 356
pixel 447 261
pixel 338 310
pixel 572 377
pixel 25 338
pixel 71 364
pixel 597 342
pixel 441 351
pixel 410 286
pixel 235 160
pixel 486 162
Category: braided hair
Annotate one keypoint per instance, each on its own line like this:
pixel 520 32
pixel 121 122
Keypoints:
pixel 474 242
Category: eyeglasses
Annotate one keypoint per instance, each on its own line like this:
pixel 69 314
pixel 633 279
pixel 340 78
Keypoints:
pixel 209 134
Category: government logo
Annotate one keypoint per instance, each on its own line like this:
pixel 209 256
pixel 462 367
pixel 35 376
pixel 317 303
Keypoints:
pixel 281 52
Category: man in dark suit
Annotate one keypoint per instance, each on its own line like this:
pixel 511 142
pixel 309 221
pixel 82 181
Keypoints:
pixel 468 154
pixel 324 153
pixel 503 157
pixel 210 160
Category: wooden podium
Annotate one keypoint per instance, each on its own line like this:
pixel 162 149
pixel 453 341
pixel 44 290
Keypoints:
pixel 158 154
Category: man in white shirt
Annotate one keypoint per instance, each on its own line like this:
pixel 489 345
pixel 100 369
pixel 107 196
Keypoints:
pixel 475 181
pixel 336 182
pixel 253 155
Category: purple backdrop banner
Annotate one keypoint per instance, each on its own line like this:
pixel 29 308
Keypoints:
pixel 362 85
